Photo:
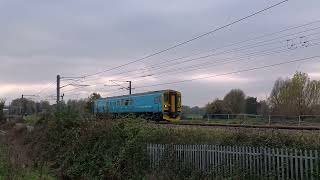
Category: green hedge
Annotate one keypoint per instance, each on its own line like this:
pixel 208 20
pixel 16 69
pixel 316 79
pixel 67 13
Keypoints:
pixel 90 149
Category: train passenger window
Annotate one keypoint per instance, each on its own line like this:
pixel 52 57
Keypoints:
pixel 126 102
pixel 157 100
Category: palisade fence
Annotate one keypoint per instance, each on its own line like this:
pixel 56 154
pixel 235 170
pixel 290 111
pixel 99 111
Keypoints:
pixel 302 120
pixel 232 161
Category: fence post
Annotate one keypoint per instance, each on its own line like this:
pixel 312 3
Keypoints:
pixel 269 120
pixel 299 120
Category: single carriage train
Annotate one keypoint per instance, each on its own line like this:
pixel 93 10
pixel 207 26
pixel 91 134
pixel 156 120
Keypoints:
pixel 164 105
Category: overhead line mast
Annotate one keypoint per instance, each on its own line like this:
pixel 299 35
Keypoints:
pixel 172 47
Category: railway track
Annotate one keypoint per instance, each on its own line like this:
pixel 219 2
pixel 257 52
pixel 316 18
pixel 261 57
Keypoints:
pixel 203 124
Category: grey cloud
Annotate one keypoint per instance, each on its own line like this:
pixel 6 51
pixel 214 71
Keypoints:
pixel 40 39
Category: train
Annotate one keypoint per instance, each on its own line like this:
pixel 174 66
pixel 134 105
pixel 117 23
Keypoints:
pixel 162 105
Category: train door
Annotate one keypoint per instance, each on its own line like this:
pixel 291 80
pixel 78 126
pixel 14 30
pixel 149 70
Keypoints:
pixel 173 102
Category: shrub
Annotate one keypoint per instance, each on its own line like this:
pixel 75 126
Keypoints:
pixel 78 148
pixel 81 148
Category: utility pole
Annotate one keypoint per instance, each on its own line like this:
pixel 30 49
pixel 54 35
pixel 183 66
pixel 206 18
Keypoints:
pixel 23 103
pixel 58 90
pixel 22 106
pixel 127 88
pixel 130 87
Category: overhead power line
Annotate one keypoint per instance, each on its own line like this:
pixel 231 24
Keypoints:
pixel 216 63
pixel 177 60
pixel 255 45
pixel 188 41
pixel 233 72
pixel 45 88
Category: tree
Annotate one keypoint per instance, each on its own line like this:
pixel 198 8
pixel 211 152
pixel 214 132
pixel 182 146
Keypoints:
pixel 296 96
pixel 2 103
pixel 263 108
pixel 216 107
pixel 78 105
pixel 251 105
pixel 90 103
pixel 235 101
pixel 24 105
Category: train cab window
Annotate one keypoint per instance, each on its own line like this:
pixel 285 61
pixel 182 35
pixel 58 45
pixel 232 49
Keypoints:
pixel 179 101
pixel 166 97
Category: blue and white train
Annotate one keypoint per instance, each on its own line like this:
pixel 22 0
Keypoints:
pixel 157 105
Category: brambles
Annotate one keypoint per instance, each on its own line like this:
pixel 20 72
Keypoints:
pixel 82 148
pixel 78 148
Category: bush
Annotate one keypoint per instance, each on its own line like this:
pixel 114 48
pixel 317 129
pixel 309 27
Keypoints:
pixel 92 149
pixel 78 148
pixel 2 102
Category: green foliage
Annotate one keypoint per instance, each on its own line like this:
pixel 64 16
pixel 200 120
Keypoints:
pixel 90 103
pixel 217 107
pixel 251 105
pixel 4 162
pixel 296 96
pixel 79 148
pixel 9 171
pixel 235 101
pixel 92 149
pixel 32 119
pixel 243 137
pixel 2 102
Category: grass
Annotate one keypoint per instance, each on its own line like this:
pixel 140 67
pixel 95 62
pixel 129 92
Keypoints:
pixel 13 172
pixel 234 137
pixel 32 119
pixel 260 121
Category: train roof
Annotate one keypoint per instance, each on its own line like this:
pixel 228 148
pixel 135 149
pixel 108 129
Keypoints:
pixel 139 94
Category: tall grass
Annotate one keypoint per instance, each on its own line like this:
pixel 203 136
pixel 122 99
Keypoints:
pixel 8 170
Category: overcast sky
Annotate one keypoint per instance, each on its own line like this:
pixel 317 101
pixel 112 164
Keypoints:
pixel 42 38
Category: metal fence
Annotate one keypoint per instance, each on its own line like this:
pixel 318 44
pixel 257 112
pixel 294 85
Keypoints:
pixel 302 120
pixel 227 161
